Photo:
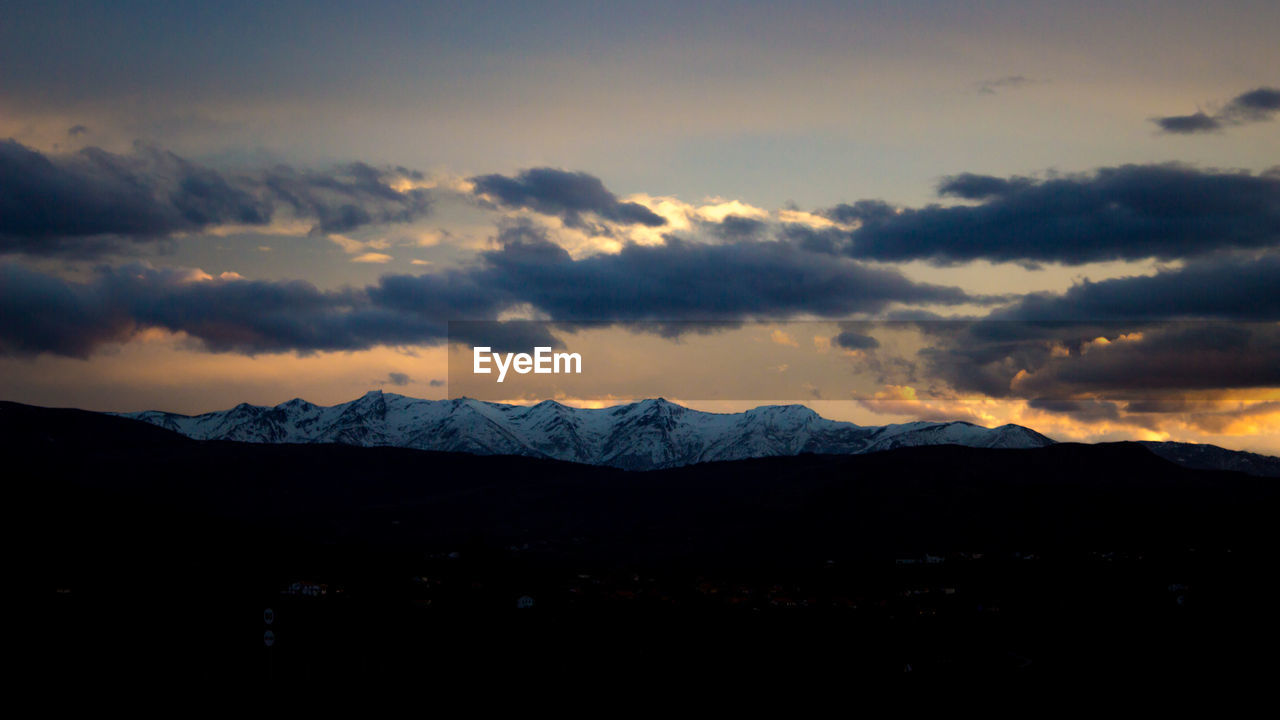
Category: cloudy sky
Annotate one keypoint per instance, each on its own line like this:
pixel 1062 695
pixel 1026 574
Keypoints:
pixel 1065 215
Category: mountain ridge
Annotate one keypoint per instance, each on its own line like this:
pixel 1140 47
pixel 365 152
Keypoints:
pixel 648 434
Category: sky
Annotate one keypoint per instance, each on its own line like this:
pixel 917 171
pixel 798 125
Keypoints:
pixel 1064 215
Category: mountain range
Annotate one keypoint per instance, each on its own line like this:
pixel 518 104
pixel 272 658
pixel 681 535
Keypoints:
pixel 646 435
pixel 971 554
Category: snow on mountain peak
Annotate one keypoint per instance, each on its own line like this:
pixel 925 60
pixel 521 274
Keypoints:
pixel 648 434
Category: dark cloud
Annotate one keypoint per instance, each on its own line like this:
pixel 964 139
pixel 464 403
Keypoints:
pixel 853 340
pixel 828 240
pixel 1106 371
pixel 692 281
pixel 860 211
pixel 88 202
pixel 436 383
pixel 980 187
pixel 568 195
pixel 736 227
pixel 1008 82
pixel 48 203
pixel 1165 358
pixel 1188 124
pixel 1230 288
pixel 1258 105
pixel 1208 325
pixel 398 379
pixel 45 314
pixel 347 197
pixel 40 313
pixel 1087 409
pixel 75 130
pixel 1213 417
pixel 505 335
pixel 1123 213
pixel 254 316
pixel 678 281
pixel 971 360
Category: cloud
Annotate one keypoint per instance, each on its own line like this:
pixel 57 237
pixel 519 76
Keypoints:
pixel 831 241
pixel 1086 409
pixel 1168 375
pixel 718 284
pixel 347 197
pixel 1121 349
pixel 49 203
pixel 1131 342
pixel 715 282
pixel 92 201
pixel 1250 419
pixel 851 340
pixel 904 400
pixel 980 187
pixel 42 313
pixel 1258 105
pixel 1188 124
pixel 782 338
pixel 1008 82
pixel 1130 212
pixel 862 211
pixel 46 314
pixel 567 195
pixel 1173 357
pixel 736 227
pixel 1227 288
pixel 398 379
pixel 75 130
pixel 372 257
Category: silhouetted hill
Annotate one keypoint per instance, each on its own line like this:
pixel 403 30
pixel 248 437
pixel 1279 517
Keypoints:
pixel 39 429
pixel 922 498
pixel 1212 457
pixel 135 526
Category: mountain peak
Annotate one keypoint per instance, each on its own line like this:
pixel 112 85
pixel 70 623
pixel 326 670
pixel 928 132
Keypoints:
pixel 651 433
pixel 793 410
pixel 659 403
pixel 379 396
pixel 645 434
pixel 648 434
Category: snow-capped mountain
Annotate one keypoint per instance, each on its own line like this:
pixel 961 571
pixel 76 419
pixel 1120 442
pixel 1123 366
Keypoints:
pixel 639 436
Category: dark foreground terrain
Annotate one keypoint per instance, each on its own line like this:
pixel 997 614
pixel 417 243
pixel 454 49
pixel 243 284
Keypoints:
pixel 156 557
